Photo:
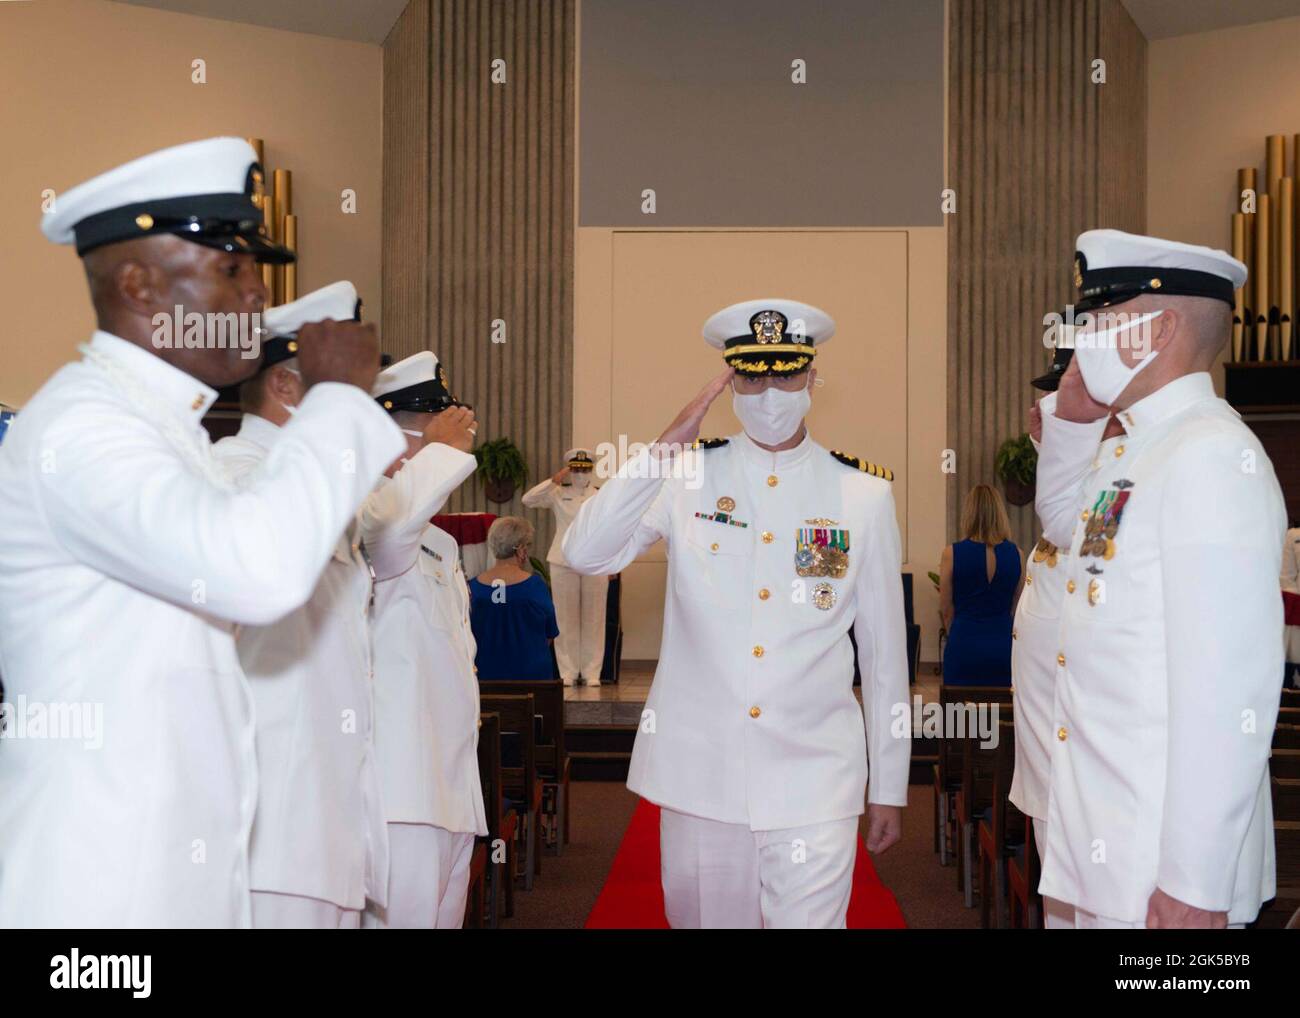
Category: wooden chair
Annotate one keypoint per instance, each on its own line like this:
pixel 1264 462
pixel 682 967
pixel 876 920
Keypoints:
pixel 973 797
pixel 948 774
pixel 552 758
pixel 1001 834
pixel 1286 737
pixel 1284 763
pixel 1291 698
pixel 502 823
pixel 519 777
pixel 1286 798
pixel 476 900
pixel 1023 900
pixel 1286 837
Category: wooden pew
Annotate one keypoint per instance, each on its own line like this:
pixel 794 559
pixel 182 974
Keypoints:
pixel 1001 832
pixel 1286 737
pixel 552 758
pixel 519 776
pixel 1284 763
pixel 502 823
pixel 948 780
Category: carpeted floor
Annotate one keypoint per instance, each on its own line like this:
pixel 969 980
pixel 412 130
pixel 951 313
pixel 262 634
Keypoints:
pixel 570 884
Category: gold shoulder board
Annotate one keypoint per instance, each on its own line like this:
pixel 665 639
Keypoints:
pixel 867 467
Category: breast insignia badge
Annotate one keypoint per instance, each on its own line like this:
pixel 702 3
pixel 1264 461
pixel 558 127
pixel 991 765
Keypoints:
pixel 824 596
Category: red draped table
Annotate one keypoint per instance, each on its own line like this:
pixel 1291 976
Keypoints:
pixel 470 531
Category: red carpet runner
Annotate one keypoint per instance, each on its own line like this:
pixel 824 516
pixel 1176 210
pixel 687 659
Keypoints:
pixel 633 898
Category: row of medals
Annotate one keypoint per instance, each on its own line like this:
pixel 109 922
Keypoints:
pixel 821 560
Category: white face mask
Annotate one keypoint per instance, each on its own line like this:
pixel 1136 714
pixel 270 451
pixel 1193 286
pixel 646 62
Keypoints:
pixel 773 415
pixel 579 479
pixel 1105 376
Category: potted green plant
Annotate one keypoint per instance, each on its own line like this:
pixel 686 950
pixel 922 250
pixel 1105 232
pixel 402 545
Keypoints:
pixel 501 466
pixel 1017 465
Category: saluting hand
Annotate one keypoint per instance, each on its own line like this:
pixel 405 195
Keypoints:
pixel 345 352
pixel 685 428
pixel 560 476
pixel 1072 400
pixel 455 427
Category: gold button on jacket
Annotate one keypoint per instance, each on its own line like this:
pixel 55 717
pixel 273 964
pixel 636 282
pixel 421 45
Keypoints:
pixel 754 712
pixel 1061 734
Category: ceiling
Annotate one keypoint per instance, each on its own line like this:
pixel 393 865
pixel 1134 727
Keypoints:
pixel 371 20
pixel 1163 19
pixel 359 20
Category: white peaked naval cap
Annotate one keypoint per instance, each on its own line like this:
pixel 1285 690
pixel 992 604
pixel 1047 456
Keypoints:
pixel 769 336
pixel 202 191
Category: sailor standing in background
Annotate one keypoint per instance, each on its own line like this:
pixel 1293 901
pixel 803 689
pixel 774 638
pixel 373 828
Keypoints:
pixel 129 556
pixel 1037 624
pixel 754 742
pixel 1170 648
pixel 426 720
pixel 579 600
pixel 319 846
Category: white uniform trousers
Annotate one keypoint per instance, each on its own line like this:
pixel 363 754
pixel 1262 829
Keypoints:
pixel 1085 920
pixel 272 911
pixel 1057 915
pixel 580 614
pixel 428 880
pixel 725 876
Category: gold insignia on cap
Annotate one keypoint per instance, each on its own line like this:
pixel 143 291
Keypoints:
pixel 144 221
pixel 1155 283
pixel 1078 275
pixel 768 326
pixel 726 503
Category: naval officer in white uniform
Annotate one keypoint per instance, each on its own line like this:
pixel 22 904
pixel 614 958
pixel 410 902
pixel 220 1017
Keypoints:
pixel 129 556
pixel 1037 625
pixel 1170 645
pixel 753 742
pixel 426 719
pixel 319 846
pixel 579 600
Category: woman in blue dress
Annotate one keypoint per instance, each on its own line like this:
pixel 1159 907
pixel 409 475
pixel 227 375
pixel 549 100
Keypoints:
pixel 980 578
pixel 511 611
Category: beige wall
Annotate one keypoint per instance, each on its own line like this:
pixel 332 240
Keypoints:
pixel 89 84
pixel 884 397
pixel 1213 99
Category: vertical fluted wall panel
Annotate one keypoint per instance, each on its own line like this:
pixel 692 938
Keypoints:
pixel 1037 152
pixel 479 215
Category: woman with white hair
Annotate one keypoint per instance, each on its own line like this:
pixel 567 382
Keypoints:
pixel 511 611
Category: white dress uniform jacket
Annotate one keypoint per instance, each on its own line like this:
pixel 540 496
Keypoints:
pixel 319 831
pixel 1168 669
pixel 1036 634
pixel 408 707
pixel 751 718
pixel 125 569
pixel 449 651
pixel 565 500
